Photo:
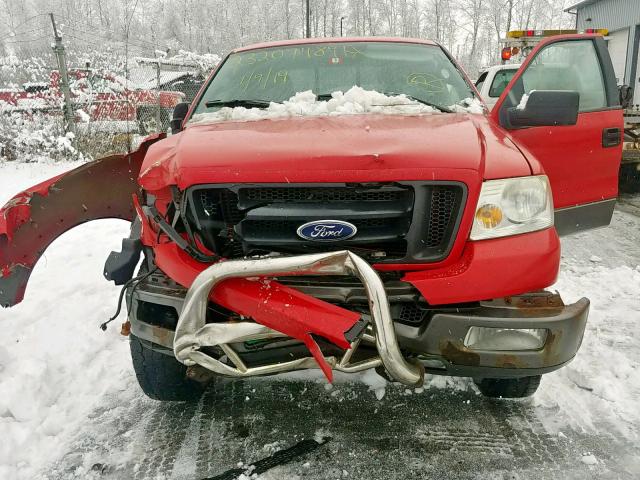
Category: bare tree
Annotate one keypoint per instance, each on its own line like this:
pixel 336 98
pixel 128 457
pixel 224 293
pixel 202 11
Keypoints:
pixel 473 11
pixel 469 28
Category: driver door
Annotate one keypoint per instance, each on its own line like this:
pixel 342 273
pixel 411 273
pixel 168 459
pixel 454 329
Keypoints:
pixel 581 160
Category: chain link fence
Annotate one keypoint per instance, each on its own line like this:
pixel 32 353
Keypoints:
pixel 116 98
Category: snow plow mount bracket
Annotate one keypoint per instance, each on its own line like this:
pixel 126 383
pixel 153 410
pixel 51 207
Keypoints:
pixel 193 333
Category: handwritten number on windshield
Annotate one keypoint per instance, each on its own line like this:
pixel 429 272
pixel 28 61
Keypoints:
pixel 427 82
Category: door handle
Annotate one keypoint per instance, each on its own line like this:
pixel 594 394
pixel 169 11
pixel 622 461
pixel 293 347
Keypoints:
pixel 611 137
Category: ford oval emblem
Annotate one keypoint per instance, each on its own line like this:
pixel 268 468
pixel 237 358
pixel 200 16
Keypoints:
pixel 327 230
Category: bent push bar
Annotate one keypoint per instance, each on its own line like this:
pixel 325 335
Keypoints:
pixel 193 333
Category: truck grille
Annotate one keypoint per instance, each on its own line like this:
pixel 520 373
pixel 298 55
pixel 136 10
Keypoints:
pixel 326 194
pixel 443 207
pixel 404 221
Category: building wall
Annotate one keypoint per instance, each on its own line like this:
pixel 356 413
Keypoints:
pixel 616 15
pixel 618 49
pixel 611 14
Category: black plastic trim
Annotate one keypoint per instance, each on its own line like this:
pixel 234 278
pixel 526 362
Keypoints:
pixel 584 217
pixel 120 266
pixel 545 108
pixel 419 222
pixel 611 137
pixel 356 330
pixel 442 339
pixel 152 212
pixel 608 73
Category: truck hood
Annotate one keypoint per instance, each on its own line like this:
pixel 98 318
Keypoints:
pixel 344 148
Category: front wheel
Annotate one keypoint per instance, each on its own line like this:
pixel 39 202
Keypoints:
pixel 508 387
pixel 160 375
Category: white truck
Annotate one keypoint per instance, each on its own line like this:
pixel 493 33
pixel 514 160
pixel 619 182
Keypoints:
pixel 493 80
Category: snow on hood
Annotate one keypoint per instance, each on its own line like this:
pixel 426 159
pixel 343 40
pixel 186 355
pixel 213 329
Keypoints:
pixel 355 101
pixel 468 105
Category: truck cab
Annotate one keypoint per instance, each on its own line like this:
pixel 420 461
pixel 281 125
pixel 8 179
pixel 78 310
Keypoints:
pixel 348 204
pixel 492 82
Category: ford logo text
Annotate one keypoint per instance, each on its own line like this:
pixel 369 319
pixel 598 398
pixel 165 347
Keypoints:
pixel 327 230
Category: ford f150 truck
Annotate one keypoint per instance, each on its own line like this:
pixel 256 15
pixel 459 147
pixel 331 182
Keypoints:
pixel 356 237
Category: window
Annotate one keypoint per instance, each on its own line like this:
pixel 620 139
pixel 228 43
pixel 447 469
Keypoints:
pixel 500 81
pixel 277 73
pixel 568 65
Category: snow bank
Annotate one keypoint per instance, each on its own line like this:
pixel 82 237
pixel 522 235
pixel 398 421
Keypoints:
pixel 602 384
pixel 56 365
pixel 34 138
pixel 355 101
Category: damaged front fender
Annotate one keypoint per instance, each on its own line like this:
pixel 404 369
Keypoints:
pixel 34 218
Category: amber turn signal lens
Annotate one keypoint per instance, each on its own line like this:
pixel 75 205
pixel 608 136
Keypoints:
pixel 489 216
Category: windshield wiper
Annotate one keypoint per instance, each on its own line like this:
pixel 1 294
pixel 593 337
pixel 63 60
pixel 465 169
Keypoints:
pixel 328 96
pixel 238 102
pixel 419 100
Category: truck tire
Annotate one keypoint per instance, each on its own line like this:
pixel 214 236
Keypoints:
pixel 629 179
pixel 508 387
pixel 161 376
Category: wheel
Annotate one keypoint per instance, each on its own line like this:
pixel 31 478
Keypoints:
pixel 629 179
pixel 508 387
pixel 160 375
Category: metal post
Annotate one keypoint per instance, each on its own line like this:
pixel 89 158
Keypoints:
pixel 341 20
pixel 159 109
pixel 308 15
pixel 58 49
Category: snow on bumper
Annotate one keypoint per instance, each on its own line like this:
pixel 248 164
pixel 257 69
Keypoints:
pixel 193 333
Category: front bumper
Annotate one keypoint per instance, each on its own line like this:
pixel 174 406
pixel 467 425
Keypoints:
pixel 440 343
pixel 302 319
pixel 437 343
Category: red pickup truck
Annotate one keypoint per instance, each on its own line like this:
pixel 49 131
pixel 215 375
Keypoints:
pixel 98 97
pixel 408 233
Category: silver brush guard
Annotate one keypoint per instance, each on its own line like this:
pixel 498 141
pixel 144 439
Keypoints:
pixel 193 333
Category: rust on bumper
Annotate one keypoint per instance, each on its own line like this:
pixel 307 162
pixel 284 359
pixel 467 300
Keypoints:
pixel 443 338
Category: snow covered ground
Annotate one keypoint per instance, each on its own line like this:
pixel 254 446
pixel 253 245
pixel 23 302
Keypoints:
pixel 55 363
pixel 70 406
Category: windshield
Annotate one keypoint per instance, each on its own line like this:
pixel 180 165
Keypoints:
pixel 275 74
pixel 500 82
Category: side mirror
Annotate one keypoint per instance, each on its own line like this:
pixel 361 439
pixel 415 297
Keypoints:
pixel 179 114
pixel 545 108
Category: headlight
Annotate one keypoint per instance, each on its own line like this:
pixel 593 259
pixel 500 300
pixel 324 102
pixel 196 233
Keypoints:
pixel 511 206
